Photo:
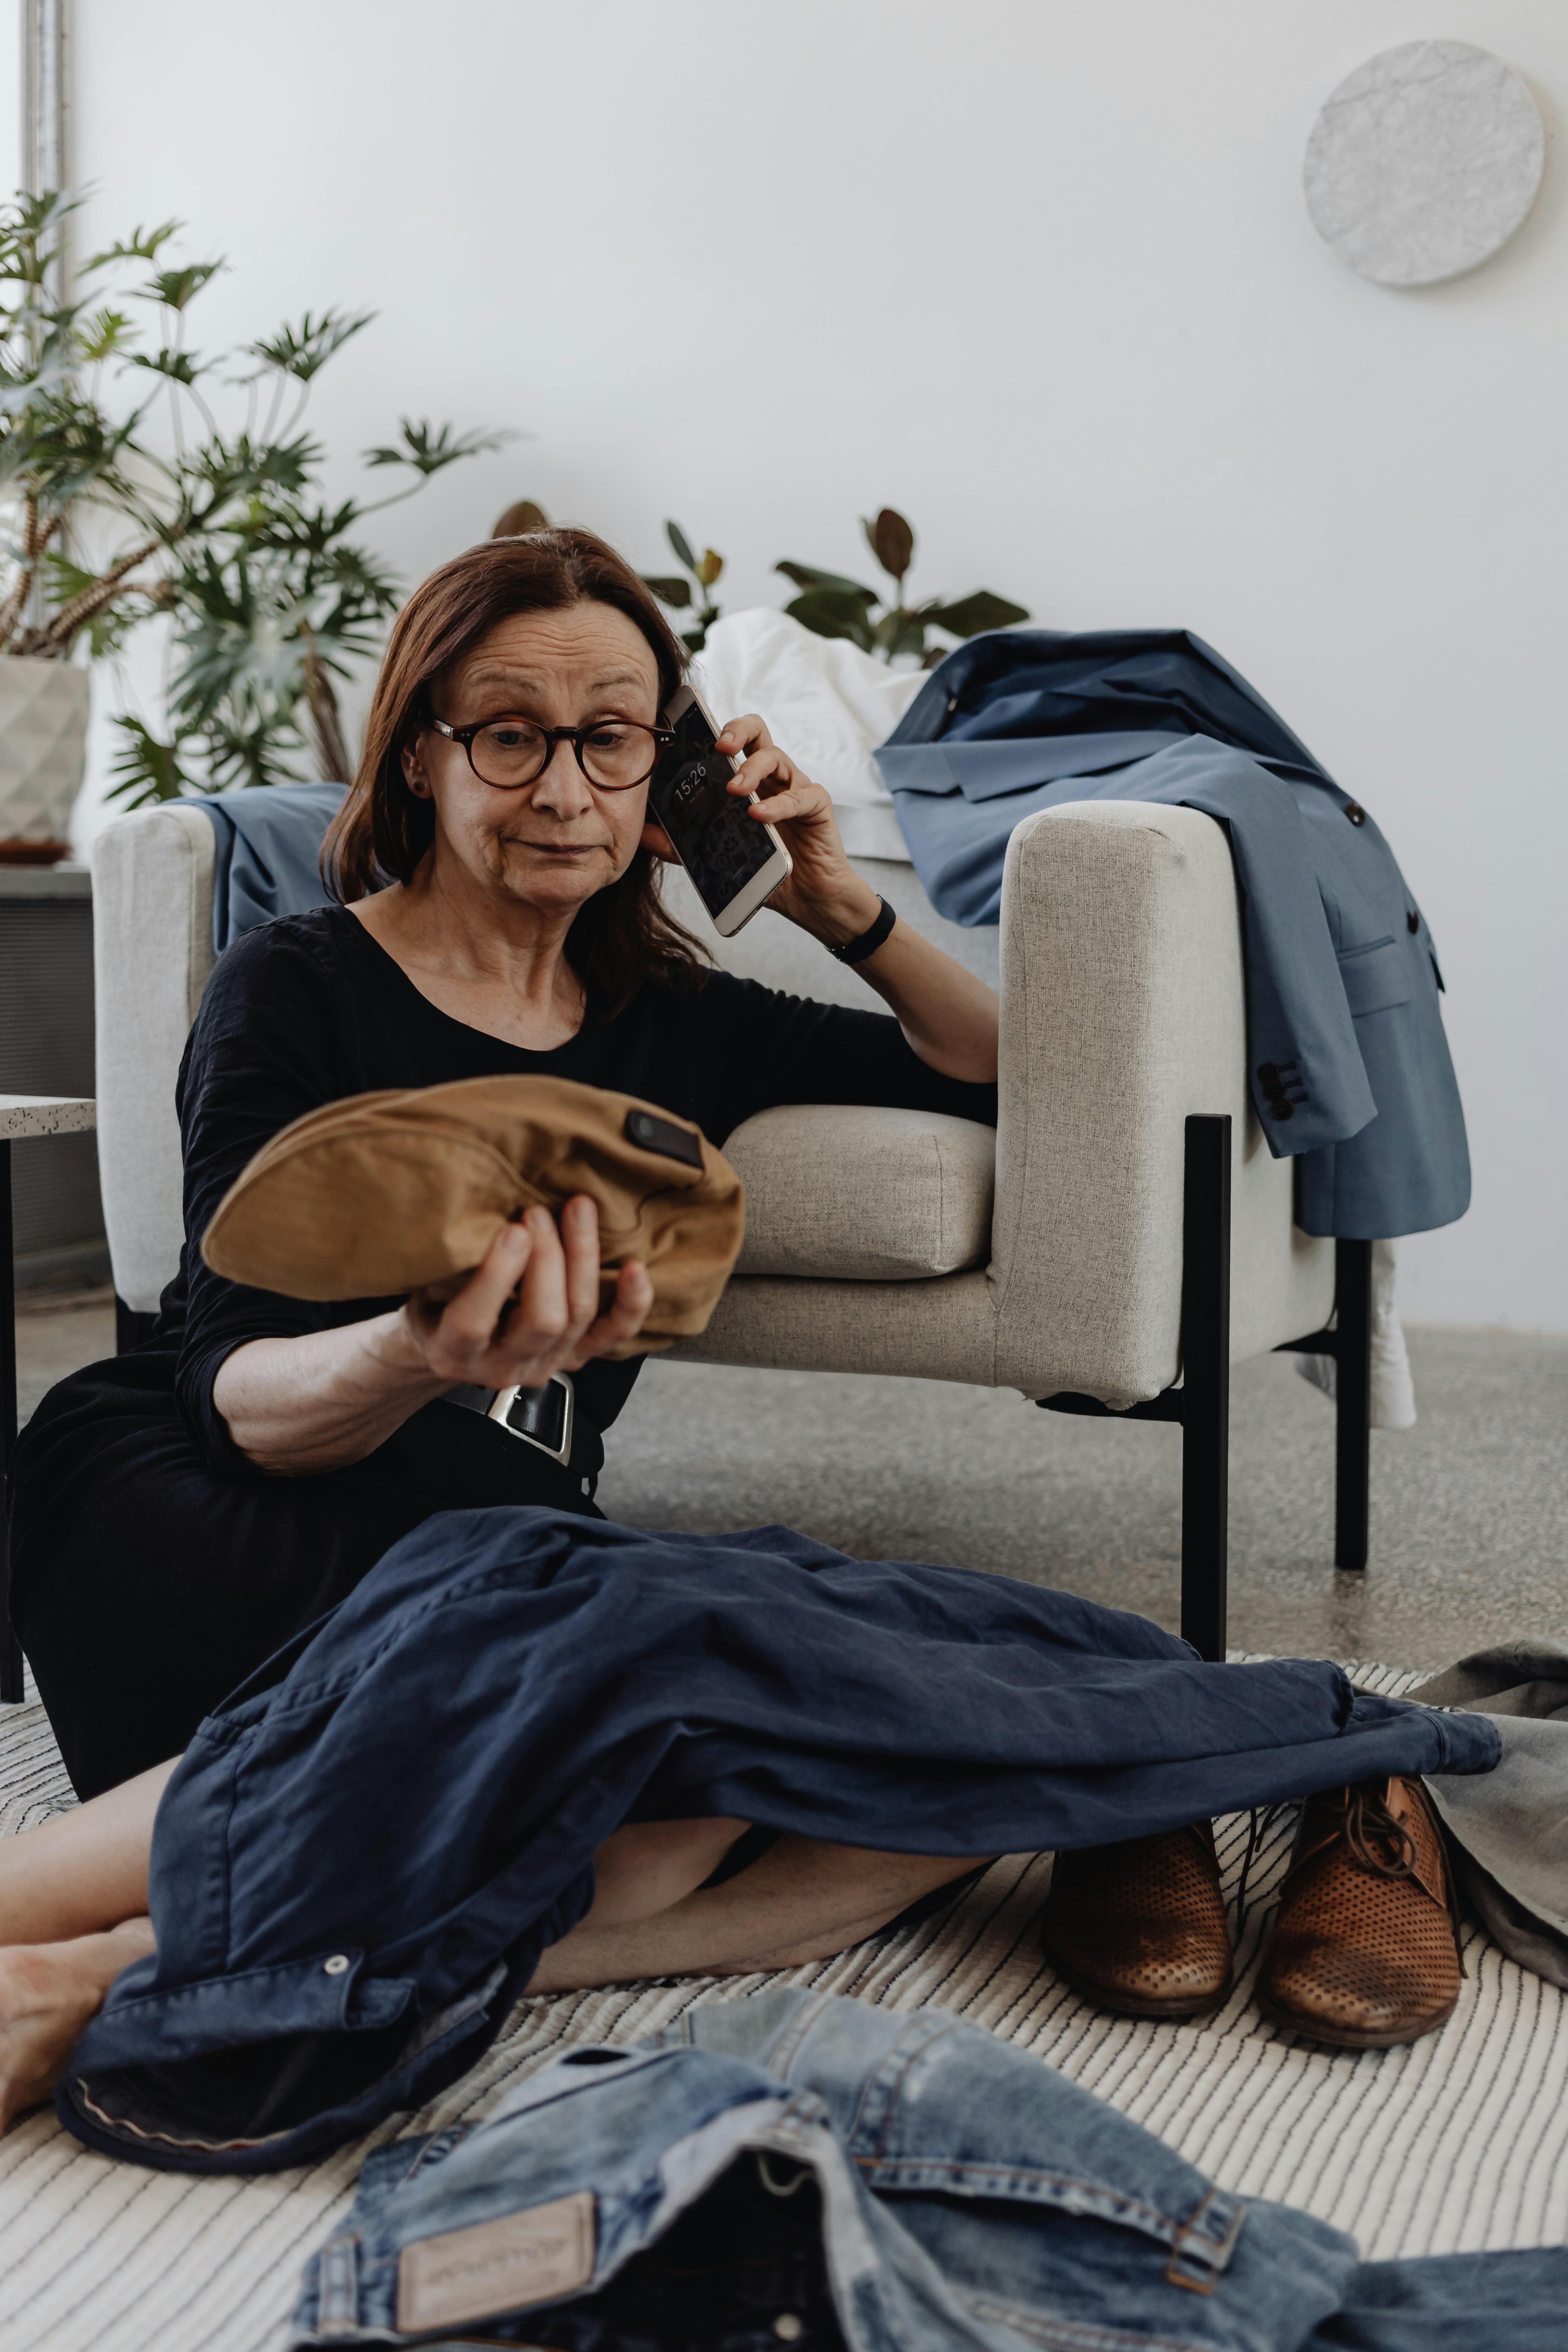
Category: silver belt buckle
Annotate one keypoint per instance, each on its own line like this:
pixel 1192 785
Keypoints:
pixel 537 1405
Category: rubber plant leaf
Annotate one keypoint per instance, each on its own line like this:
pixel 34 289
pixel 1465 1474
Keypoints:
pixel 681 545
pixel 518 520
pixel 805 576
pixel 832 613
pixel 891 542
pixel 900 631
pixel 970 615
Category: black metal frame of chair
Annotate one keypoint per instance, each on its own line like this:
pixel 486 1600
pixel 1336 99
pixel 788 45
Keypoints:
pixel 1202 1403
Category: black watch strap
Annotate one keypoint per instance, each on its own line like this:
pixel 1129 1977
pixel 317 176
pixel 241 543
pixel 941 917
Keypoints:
pixel 857 951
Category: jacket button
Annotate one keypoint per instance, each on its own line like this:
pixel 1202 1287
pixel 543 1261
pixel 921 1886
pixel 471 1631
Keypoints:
pixel 788 2328
pixel 1269 1074
pixel 1281 1108
pixel 1355 812
pixel 337 1965
pixel 1413 921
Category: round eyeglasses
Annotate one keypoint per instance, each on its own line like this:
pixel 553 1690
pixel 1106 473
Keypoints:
pixel 615 754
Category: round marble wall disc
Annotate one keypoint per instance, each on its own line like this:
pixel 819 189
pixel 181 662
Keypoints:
pixel 1424 162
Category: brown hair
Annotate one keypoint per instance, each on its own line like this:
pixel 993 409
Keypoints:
pixel 623 936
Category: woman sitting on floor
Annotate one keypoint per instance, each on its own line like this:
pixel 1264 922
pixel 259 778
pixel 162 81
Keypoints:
pixel 182 1511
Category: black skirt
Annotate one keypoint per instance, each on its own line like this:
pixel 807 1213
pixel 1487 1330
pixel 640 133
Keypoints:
pixel 145 1586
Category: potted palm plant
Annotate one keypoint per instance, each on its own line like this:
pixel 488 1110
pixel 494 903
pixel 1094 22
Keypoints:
pixel 137 477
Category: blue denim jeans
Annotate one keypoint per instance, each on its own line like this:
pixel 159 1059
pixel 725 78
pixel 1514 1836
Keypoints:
pixel 801 2168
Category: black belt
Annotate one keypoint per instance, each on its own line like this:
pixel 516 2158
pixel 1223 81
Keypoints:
pixel 547 1418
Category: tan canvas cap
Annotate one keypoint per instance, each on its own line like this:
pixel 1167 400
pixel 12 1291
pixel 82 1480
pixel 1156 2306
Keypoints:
pixel 380 1193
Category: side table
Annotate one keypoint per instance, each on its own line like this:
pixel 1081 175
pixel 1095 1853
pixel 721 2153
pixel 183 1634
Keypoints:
pixel 20 1116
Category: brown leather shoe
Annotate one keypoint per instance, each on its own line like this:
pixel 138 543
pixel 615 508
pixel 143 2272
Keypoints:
pixel 1364 1953
pixel 1140 1927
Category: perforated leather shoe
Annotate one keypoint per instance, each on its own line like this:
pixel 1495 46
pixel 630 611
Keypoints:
pixel 1140 1927
pixel 1364 1953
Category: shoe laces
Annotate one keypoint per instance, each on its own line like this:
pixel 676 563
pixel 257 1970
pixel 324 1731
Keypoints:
pixel 1371 1828
pixel 1378 1841
pixel 1260 1822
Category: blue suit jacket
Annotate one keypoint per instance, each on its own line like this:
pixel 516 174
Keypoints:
pixel 1349 1069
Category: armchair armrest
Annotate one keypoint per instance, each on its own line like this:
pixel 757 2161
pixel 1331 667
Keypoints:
pixel 1122 1011
pixel 152 950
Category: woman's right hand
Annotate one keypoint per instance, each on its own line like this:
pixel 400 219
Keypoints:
pixel 323 1400
pixel 530 1308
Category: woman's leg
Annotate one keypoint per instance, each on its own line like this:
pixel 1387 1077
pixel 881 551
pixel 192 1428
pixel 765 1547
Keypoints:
pixel 73 1904
pixel 73 1898
pixel 84 1870
pixel 803 1900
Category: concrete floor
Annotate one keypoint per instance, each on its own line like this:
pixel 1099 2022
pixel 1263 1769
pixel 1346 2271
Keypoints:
pixel 1470 1527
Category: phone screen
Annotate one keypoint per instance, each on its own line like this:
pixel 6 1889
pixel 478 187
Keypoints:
pixel 720 845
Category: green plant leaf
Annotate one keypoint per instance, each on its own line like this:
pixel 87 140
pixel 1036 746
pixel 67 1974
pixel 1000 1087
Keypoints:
pixel 804 576
pixel 143 245
pixel 833 613
pixel 428 448
pixel 891 542
pixel 104 334
pixel 972 614
pixel 303 351
pixel 108 628
pixel 710 568
pixel 174 289
pixel 680 545
pixel 901 632
pixel 180 367
pixel 148 769
pixel 694 639
pixel 674 592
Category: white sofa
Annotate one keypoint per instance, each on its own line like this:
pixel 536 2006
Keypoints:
pixel 1049 1259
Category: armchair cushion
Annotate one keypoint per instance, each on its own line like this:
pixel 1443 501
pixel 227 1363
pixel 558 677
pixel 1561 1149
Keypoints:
pixel 864 1195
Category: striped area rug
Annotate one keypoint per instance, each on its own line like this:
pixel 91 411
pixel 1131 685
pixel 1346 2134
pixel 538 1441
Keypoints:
pixel 1458 2142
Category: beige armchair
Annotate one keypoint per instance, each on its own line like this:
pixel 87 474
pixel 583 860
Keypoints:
pixel 1122 1239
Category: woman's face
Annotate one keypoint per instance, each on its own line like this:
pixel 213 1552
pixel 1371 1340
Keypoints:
pixel 553 843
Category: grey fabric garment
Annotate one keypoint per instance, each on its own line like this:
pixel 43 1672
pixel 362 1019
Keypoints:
pixel 268 841
pixel 1510 1830
pixel 1351 1073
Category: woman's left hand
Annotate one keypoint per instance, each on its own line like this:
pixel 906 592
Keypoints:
pixel 823 894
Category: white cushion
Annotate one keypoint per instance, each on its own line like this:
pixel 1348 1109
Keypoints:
pixel 864 1195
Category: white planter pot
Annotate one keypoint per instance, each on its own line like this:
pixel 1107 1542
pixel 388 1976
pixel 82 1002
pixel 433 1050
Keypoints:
pixel 43 753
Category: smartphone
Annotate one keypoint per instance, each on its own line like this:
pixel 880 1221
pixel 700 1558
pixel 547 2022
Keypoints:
pixel 735 864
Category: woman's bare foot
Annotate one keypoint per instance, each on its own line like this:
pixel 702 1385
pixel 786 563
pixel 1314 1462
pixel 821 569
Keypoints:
pixel 47 1994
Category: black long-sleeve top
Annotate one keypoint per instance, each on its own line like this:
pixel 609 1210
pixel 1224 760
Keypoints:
pixel 310 1008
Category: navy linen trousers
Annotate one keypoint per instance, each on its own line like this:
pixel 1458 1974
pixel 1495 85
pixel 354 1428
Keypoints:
pixel 363 1852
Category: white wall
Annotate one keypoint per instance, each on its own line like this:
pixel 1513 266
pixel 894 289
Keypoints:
pixel 1036 271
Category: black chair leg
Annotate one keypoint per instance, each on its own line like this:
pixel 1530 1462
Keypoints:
pixel 1206 1384
pixel 1353 1434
